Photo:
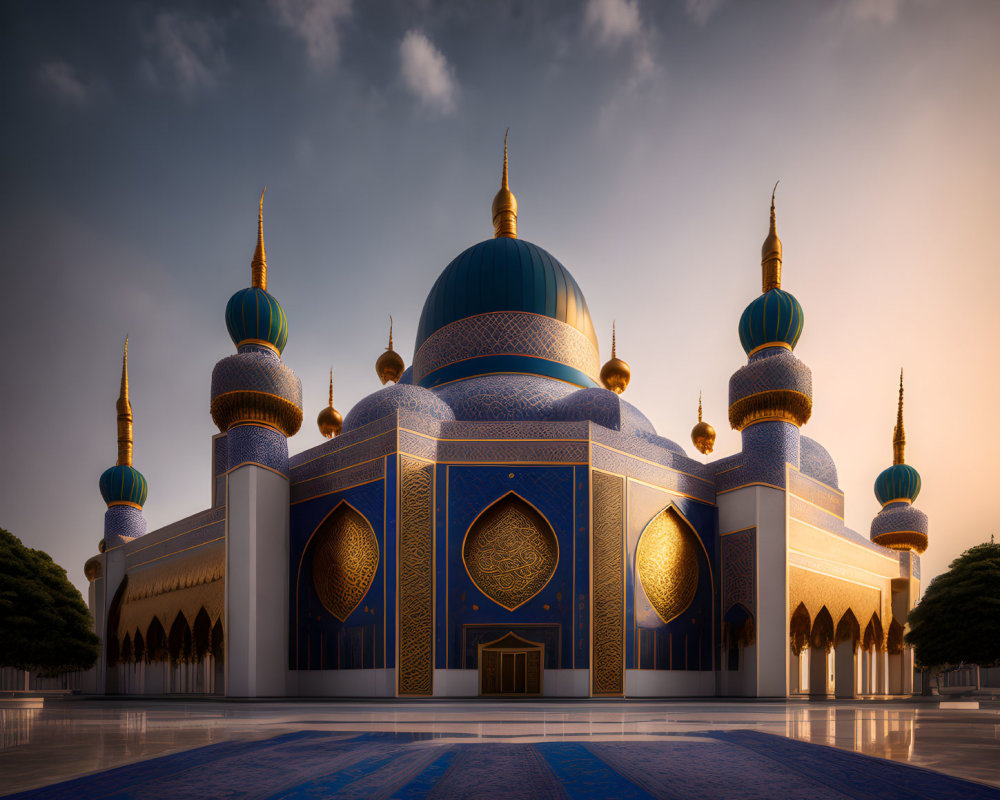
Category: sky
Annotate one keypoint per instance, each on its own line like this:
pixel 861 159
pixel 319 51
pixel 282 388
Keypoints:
pixel 645 138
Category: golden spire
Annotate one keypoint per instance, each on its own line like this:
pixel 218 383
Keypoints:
pixel 329 420
pixel 898 434
pixel 124 415
pixel 770 253
pixel 505 204
pixel 703 434
pixel 258 266
pixel 615 374
pixel 389 366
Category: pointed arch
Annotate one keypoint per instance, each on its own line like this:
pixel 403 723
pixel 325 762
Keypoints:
pixel 201 635
pixel 877 637
pixel 179 640
pixel 666 560
pixel 126 651
pixel 218 643
pixel 739 629
pixel 821 637
pixel 894 638
pixel 156 642
pixel 799 628
pixel 848 629
pixel 138 648
pixel 345 557
pixel 510 551
pixel 112 641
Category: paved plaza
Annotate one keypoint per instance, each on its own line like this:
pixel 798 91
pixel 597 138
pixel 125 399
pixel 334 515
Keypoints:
pixel 76 737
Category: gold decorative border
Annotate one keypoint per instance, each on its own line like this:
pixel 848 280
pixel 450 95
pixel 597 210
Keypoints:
pixel 607 569
pixel 259 342
pixel 760 347
pixel 554 536
pixel 378 555
pixel 124 503
pixel 415 578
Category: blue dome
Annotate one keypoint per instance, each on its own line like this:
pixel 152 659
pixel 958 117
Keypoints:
pixel 509 307
pixel 503 398
pixel 254 317
pixel 774 317
pixel 816 462
pixel 898 482
pixel 121 484
pixel 397 397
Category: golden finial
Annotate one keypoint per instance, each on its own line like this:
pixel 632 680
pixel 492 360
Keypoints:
pixel 329 420
pixel 703 434
pixel 770 253
pixel 389 366
pixel 505 204
pixel 124 415
pixel 615 374
pixel 898 434
pixel 258 266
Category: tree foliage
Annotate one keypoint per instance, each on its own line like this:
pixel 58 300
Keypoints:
pixel 44 624
pixel 958 621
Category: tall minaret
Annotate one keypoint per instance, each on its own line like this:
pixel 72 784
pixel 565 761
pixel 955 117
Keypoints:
pixel 899 525
pixel 122 486
pixel 257 404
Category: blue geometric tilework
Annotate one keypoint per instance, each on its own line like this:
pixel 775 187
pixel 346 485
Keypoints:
pixel 122 524
pixel 394 398
pixel 654 448
pixel 604 408
pixel 503 397
pixel 257 444
pixel 364 472
pixel 198 529
pixel 220 455
pixel 817 462
pixel 766 448
pixel 513 452
pixel 769 370
pixel 258 371
pixel 469 346
pixel 623 463
pixel 346 450
pixel 899 517
pixel 815 492
pixel 739 566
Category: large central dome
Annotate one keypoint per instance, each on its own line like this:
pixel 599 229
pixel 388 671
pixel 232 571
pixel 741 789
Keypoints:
pixel 505 306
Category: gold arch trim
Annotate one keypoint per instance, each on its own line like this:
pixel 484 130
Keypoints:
pixel 667 563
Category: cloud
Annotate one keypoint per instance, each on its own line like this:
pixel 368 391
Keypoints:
pixel 612 21
pixel 427 73
pixel 186 53
pixel 315 22
pixel 60 77
pixel 701 11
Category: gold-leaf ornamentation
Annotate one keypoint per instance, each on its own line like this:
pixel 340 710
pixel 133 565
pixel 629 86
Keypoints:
pixel 667 563
pixel 345 558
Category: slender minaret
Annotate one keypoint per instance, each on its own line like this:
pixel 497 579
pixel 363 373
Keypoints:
pixel 257 404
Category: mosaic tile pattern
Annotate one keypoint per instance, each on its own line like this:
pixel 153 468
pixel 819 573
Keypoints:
pixel 608 590
pixel 220 455
pixel 815 492
pixel 515 430
pixel 654 448
pixel 774 368
pixel 194 530
pixel 347 454
pixel 504 333
pixel 122 524
pixel 350 476
pixel 258 371
pixel 816 462
pixel 504 397
pixel 255 444
pixel 416 445
pixel 394 398
pixel 416 592
pixel 604 408
pixel 664 477
pixel 767 446
pixel 739 566
pixel 899 517
pixel 513 452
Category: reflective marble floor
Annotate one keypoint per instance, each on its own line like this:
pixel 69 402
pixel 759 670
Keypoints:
pixel 75 736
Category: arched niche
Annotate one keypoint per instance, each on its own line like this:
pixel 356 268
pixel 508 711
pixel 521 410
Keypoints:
pixel 800 626
pixel 345 558
pixel 510 551
pixel 666 562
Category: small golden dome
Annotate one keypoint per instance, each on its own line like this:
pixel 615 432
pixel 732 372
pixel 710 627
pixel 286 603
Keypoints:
pixel 389 366
pixel 615 374
pixel 703 434
pixel 329 420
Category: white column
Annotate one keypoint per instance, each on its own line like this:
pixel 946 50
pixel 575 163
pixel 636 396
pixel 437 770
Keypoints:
pixel 256 622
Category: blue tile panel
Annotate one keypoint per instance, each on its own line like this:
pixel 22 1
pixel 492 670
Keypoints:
pixel 769 370
pixel 899 517
pixel 775 316
pixel 258 444
pixel 220 455
pixel 122 524
pixel 816 462
pixel 398 396
pixel 504 398
pixel 318 640
pixel 739 568
pixel 767 446
pixel 257 370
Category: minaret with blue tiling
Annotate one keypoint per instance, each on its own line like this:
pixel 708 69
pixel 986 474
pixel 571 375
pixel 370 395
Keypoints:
pixel 257 403
pixel 771 397
pixel 122 486
pixel 899 525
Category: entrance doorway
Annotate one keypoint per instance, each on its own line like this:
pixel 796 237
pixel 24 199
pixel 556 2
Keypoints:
pixel 511 666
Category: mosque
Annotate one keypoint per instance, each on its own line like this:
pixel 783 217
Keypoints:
pixel 498 520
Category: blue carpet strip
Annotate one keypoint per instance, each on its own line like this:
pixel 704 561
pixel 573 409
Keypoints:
pixel 317 764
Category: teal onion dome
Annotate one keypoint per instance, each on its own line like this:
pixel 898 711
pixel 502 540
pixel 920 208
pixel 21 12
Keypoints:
pixel 123 485
pixel 253 316
pixel 775 317
pixel 898 482
pixel 505 305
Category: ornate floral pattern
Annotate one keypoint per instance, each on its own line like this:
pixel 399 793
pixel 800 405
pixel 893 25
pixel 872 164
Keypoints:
pixel 345 558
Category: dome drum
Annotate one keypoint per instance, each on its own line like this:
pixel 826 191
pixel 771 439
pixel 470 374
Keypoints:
pixel 255 387
pixel 776 386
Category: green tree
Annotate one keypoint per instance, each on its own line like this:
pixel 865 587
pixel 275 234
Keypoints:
pixel 958 620
pixel 44 624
